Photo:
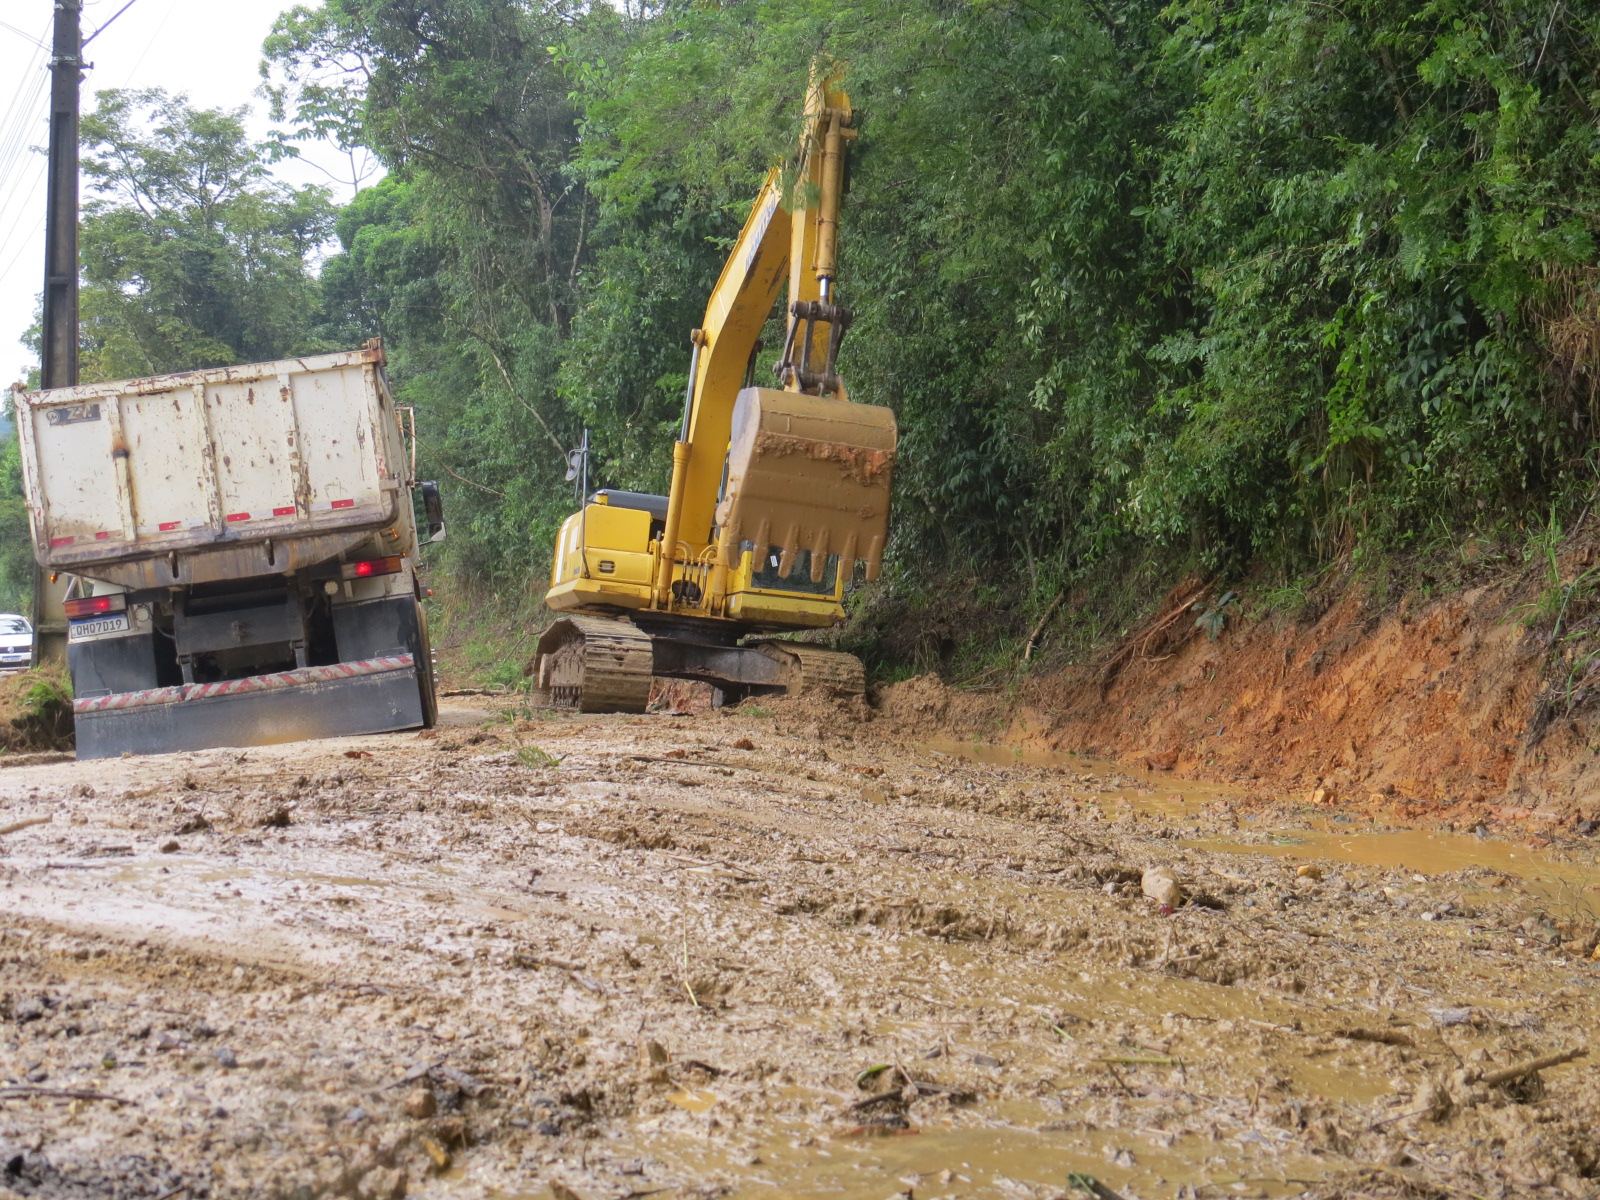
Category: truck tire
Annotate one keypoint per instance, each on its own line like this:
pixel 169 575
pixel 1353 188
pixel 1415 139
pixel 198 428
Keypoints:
pixel 422 657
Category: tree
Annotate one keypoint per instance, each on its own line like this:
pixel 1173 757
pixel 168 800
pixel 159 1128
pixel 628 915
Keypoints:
pixel 469 257
pixel 193 256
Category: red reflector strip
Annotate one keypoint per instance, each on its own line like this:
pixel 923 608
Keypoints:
pixel 283 512
pixel 373 566
pixel 168 526
pixel 343 504
pixel 60 541
pixel 102 535
pixel 237 517
pixel 92 606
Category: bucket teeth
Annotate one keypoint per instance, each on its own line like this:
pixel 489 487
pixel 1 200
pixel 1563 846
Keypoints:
pixel 816 468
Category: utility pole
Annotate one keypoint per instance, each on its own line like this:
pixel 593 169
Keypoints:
pixel 58 362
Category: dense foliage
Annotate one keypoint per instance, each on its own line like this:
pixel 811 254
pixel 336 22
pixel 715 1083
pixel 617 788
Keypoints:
pixel 1235 280
pixel 193 256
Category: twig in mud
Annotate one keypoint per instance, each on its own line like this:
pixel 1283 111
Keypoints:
pixel 1399 1116
pixel 1142 1062
pixel 692 998
pixel 699 1065
pixel 19 1091
pixel 1383 1037
pixel 1121 1083
pixel 19 826
pixel 416 1073
pixel 1513 1073
pixel 1088 1183
pixel 892 1096
pixel 99 866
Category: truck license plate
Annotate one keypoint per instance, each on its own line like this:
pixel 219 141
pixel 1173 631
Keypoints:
pixel 82 631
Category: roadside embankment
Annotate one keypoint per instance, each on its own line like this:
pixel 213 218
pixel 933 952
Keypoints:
pixel 1448 709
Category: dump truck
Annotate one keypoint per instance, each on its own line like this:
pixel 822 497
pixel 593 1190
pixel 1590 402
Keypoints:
pixel 240 547
pixel 777 492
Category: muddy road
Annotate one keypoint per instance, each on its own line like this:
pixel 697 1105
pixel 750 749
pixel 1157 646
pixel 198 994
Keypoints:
pixel 773 952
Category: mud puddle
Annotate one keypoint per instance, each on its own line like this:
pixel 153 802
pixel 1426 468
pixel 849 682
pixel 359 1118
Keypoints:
pixel 1010 1157
pixel 1113 786
pixel 1556 877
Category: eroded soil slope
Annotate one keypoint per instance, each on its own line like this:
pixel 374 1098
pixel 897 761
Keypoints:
pixel 1452 706
pixel 752 954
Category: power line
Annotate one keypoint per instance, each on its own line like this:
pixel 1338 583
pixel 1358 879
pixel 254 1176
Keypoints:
pixel 107 25
pixel 139 62
pixel 29 37
pixel 27 203
pixel 23 116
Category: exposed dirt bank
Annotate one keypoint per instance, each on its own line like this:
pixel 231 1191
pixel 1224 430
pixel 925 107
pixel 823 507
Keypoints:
pixel 1446 710
pixel 737 954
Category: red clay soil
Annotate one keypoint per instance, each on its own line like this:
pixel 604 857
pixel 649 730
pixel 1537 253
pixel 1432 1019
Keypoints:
pixel 1445 710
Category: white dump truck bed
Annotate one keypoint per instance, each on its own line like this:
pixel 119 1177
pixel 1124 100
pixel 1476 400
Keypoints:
pixel 288 458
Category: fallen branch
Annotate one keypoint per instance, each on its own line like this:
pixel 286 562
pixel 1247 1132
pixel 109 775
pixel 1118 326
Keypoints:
pixel 18 826
pixel 1033 635
pixel 1140 641
pixel 1384 1037
pixel 18 1092
pixel 1532 1066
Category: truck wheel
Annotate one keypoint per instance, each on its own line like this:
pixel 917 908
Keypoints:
pixel 422 656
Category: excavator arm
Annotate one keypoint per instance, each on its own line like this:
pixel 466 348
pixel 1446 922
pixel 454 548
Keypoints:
pixel 806 472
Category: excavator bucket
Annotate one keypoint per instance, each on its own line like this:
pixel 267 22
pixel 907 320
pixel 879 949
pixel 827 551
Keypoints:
pixel 809 473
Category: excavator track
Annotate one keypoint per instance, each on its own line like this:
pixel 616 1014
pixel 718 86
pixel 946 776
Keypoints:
pixel 814 669
pixel 595 665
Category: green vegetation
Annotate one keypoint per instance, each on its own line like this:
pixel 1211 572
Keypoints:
pixel 192 255
pixel 1154 288
pixel 1213 283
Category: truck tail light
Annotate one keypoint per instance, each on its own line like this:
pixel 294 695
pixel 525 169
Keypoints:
pixel 373 566
pixel 93 606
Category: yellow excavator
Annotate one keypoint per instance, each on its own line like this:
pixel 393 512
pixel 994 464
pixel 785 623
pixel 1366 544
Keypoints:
pixel 776 492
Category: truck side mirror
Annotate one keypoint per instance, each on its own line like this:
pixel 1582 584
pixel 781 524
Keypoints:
pixel 433 508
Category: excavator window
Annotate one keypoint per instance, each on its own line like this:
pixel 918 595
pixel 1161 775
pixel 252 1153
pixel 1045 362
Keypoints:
pixel 766 577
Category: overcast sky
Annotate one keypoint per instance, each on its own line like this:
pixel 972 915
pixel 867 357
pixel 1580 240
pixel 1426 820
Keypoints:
pixel 208 49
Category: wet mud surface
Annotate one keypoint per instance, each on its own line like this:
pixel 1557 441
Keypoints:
pixel 768 953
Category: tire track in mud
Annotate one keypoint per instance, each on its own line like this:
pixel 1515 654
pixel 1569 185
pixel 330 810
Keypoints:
pixel 819 964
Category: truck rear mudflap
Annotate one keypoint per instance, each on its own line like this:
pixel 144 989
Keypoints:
pixel 375 695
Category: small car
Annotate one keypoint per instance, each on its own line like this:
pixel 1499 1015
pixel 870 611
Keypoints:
pixel 16 643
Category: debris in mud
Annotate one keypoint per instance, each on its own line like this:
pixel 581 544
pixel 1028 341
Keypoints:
pixel 1162 886
pixel 420 1103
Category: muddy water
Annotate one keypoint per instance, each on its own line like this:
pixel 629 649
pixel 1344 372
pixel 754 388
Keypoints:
pixel 1111 785
pixel 1570 878
pixel 1425 852
pixel 1018 1156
